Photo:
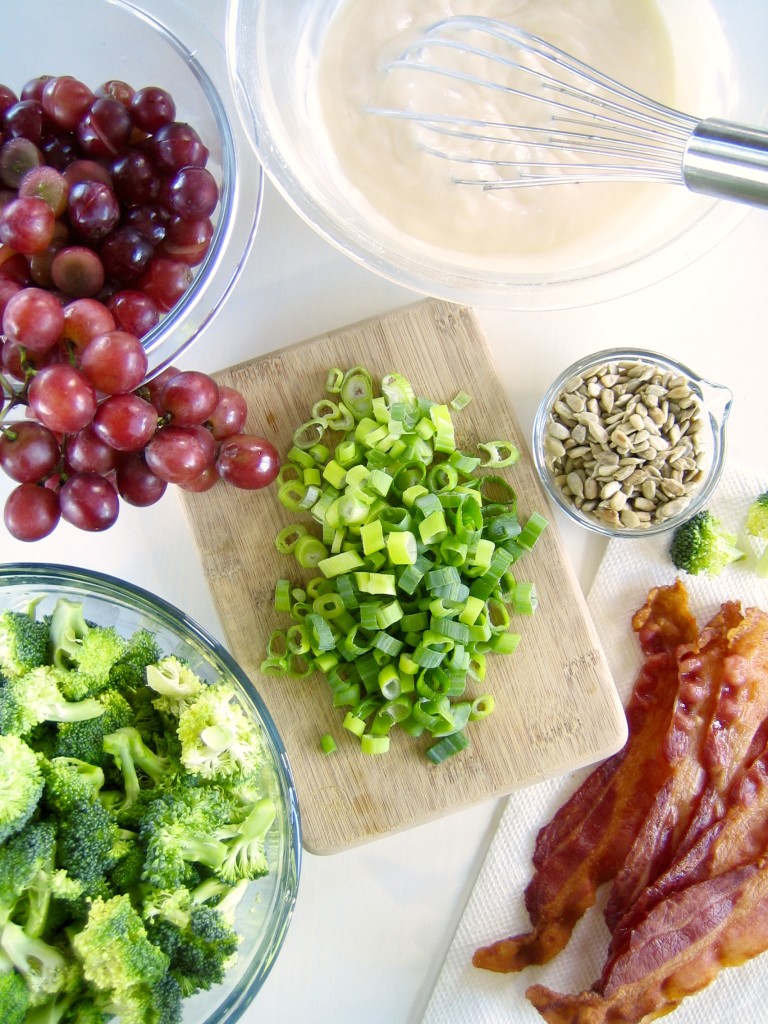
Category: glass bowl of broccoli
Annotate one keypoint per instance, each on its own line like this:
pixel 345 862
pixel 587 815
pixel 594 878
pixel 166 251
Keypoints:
pixel 150 842
pixel 631 443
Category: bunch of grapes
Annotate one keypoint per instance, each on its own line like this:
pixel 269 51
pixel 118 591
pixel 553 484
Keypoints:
pixel 106 206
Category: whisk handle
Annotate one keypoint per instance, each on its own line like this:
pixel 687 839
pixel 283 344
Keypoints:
pixel 728 161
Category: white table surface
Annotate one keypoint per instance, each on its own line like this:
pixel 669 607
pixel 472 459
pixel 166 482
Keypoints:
pixel 372 925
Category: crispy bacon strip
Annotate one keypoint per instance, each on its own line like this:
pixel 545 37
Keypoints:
pixel 735 736
pixel 741 710
pixel 679 949
pixel 587 841
pixel 700 681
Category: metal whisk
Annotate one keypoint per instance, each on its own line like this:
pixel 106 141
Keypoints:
pixel 588 126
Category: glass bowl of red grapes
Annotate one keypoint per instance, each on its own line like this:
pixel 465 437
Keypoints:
pixel 129 199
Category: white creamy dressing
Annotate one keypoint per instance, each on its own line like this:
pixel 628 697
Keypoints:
pixel 410 191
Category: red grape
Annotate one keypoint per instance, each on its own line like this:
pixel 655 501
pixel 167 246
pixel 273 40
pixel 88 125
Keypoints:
pixel 65 100
pixel 48 184
pixel 176 455
pixel 77 271
pixel 89 502
pixel 247 461
pixel 126 422
pixel 207 479
pixel 133 311
pixel 31 512
pixel 165 281
pixel 105 129
pixel 62 398
pixel 230 414
pixel 33 318
pixel 193 193
pixel 87 453
pixel 136 483
pixel 17 158
pixel 28 451
pixel 93 209
pixel 115 89
pixel 151 108
pixel 115 362
pixel 190 397
pixel 177 145
pixel 187 240
pixel 84 319
pixel 27 224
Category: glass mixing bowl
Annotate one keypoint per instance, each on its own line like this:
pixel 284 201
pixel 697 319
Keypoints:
pixel 98 40
pixel 714 405
pixel 273 48
pixel 265 912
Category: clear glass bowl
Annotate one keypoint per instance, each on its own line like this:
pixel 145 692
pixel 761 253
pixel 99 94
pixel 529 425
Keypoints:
pixel 715 403
pixel 96 40
pixel 273 48
pixel 265 912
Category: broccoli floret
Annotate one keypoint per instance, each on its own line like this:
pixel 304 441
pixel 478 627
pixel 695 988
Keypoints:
pixel 131 755
pixel 85 740
pixel 21 858
pixel 176 683
pixel 88 841
pixel 70 782
pixel 35 697
pixel 119 960
pixel 84 649
pixel 14 998
pixel 246 856
pixel 177 831
pixel 141 650
pixel 757 526
pixel 218 739
pixel 21 785
pixel 702 545
pixel 45 968
pixel 23 642
pixel 199 938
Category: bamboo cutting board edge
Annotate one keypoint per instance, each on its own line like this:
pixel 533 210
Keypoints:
pixel 559 708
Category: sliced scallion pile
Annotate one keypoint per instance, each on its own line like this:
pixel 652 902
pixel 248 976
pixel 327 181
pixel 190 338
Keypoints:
pixel 414 546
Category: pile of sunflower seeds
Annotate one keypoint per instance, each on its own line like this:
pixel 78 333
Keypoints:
pixel 626 443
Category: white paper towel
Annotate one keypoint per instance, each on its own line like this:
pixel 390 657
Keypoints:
pixel 495 909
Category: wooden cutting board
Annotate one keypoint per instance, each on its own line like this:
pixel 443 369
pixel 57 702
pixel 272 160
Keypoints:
pixel 556 704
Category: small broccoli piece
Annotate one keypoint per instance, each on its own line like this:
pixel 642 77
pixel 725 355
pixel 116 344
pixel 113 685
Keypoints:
pixel 178 830
pixel 119 960
pixel 757 526
pixel 141 650
pixel 199 938
pixel 131 755
pixel 85 740
pixel 87 842
pixel 67 627
pixel 176 683
pixel 23 642
pixel 35 697
pixel 21 858
pixel 702 545
pixel 246 856
pixel 218 739
pixel 45 968
pixel 21 785
pixel 92 661
pixel 69 782
pixel 14 998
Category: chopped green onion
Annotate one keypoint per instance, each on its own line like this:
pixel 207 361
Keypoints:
pixel 410 547
pixel 327 743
